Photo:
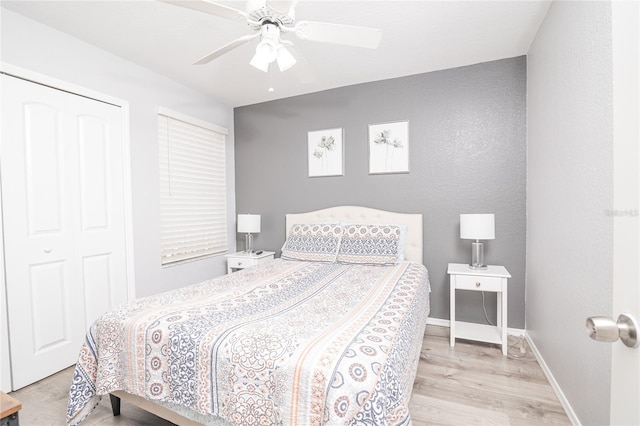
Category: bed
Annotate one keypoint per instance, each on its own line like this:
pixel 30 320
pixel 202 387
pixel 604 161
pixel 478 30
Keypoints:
pixel 330 333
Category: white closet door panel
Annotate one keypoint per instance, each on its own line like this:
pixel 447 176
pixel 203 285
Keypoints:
pixel 50 322
pixel 38 223
pixel 63 215
pixel 101 292
pixel 43 143
pixel 102 227
pixel 94 184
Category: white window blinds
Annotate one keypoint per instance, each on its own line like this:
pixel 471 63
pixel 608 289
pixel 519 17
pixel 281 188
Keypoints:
pixel 193 206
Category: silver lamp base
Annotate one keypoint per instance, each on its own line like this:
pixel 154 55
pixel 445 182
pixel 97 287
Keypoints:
pixel 248 240
pixel 477 256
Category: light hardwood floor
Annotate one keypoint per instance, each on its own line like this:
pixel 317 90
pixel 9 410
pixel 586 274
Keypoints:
pixel 474 384
pixel 470 384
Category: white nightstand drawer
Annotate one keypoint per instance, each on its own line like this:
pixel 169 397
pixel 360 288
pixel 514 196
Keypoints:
pixel 241 260
pixel 472 282
pixel 237 262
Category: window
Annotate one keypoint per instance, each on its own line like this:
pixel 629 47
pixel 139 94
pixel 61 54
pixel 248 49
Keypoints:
pixel 193 189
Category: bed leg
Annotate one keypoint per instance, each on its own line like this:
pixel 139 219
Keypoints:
pixel 115 404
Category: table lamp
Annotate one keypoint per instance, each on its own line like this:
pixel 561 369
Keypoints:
pixel 477 227
pixel 248 224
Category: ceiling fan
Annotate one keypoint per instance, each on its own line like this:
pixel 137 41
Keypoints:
pixel 270 19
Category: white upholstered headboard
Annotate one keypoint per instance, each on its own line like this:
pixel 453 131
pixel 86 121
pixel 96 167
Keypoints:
pixel 366 215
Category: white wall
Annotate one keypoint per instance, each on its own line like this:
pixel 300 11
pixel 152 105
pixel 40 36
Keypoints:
pixel 33 46
pixel 569 191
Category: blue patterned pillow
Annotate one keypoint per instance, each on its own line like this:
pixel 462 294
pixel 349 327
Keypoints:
pixel 371 244
pixel 319 243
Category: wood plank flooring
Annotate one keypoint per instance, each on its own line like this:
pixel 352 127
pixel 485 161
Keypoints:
pixel 470 384
pixel 474 384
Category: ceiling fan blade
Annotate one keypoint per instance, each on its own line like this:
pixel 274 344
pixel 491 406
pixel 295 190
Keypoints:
pixel 224 49
pixel 210 8
pixel 348 35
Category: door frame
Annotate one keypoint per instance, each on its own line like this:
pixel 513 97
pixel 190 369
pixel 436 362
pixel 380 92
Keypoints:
pixel 35 77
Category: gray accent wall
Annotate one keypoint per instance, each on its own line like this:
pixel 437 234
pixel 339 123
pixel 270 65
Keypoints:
pixel 467 147
pixel 570 187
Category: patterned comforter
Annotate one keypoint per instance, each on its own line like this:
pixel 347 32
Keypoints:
pixel 286 342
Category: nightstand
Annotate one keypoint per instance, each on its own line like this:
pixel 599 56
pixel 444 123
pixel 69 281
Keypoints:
pixel 493 279
pixel 241 260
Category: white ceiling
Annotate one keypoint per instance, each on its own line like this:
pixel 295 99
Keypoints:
pixel 418 37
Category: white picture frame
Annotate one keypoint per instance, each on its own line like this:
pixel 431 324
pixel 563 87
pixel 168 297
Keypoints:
pixel 389 147
pixel 325 152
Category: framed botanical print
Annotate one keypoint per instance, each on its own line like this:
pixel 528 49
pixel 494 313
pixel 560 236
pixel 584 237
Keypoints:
pixel 325 152
pixel 389 147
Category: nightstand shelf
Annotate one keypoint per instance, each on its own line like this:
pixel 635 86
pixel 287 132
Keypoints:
pixel 241 260
pixel 478 332
pixel 493 279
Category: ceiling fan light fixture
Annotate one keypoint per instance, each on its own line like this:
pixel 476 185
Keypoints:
pixel 260 63
pixel 285 58
pixel 267 49
pixel 272 17
pixel 266 52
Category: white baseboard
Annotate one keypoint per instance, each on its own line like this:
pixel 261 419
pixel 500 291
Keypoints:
pixel 438 322
pixel 554 384
pixel 547 372
pixel 445 323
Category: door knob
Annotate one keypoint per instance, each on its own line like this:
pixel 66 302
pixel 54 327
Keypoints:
pixel 605 329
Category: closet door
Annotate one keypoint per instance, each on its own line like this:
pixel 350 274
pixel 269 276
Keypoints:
pixel 63 215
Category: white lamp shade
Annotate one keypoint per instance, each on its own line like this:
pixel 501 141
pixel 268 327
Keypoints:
pixel 477 226
pixel 249 223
